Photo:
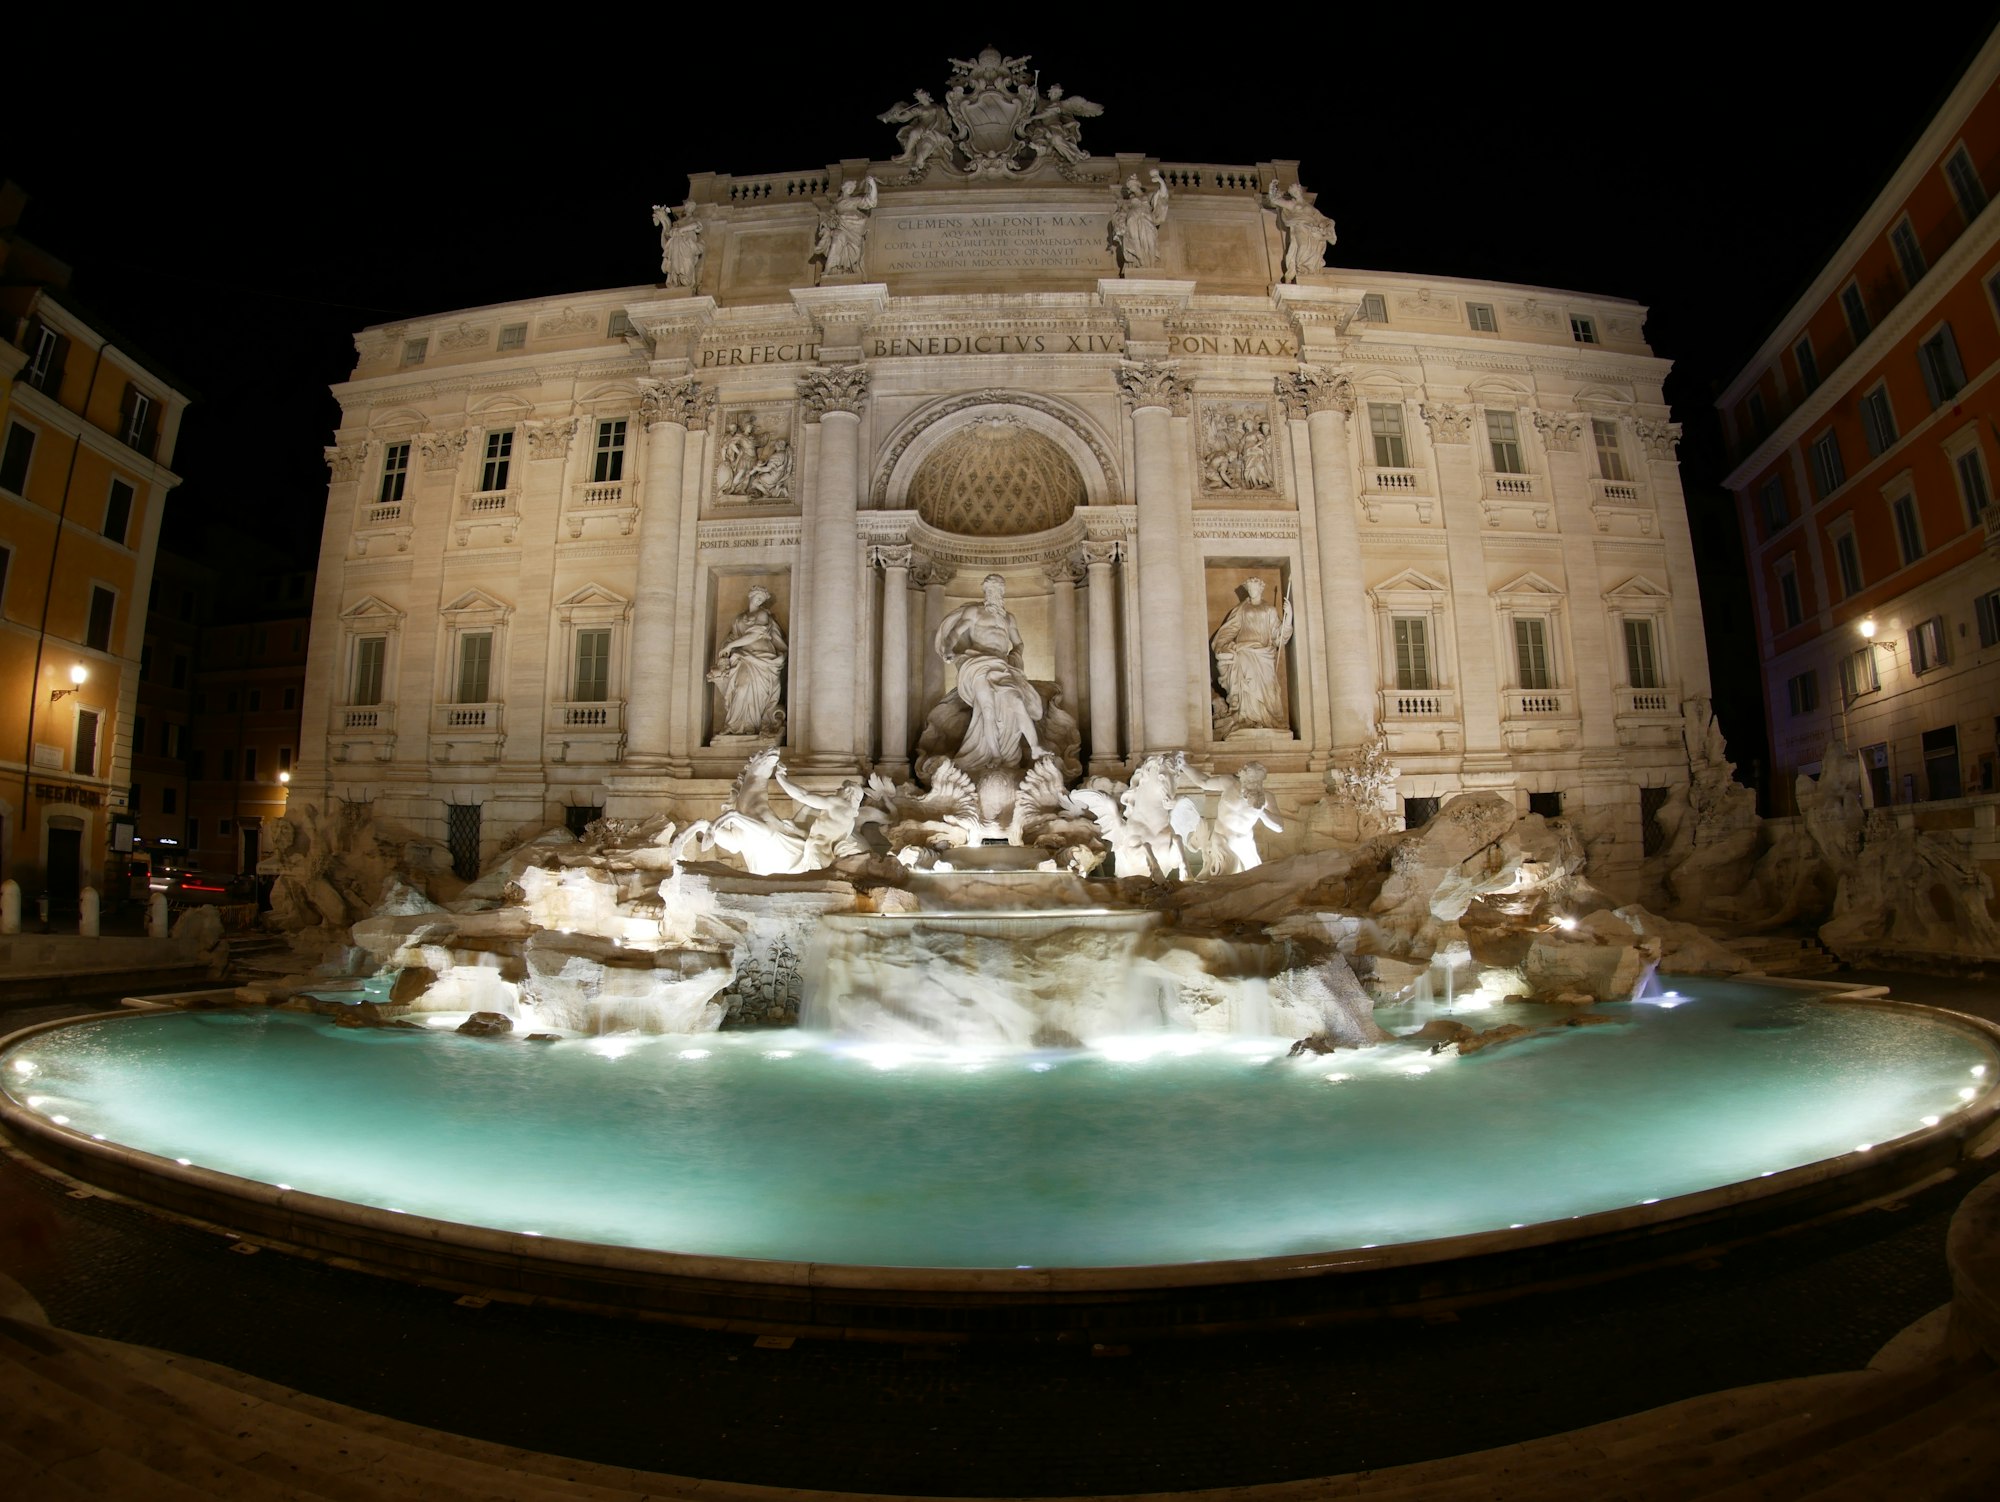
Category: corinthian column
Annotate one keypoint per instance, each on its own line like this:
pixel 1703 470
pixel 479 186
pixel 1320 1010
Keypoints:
pixel 1062 575
pixel 894 562
pixel 931 577
pixel 1102 699
pixel 833 397
pixel 1326 399
pixel 1157 395
pixel 668 410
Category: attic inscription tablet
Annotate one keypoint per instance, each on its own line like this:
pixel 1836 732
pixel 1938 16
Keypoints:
pixel 997 241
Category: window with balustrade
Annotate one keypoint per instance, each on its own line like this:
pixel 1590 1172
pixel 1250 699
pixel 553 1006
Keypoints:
pixel 496 464
pixel 1385 426
pixel 589 644
pixel 395 474
pixel 608 464
pixel 472 666
pixel 1412 626
pixel 1503 438
pixel 1610 457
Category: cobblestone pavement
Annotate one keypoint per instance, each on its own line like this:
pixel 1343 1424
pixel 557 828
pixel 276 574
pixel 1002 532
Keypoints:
pixel 981 1421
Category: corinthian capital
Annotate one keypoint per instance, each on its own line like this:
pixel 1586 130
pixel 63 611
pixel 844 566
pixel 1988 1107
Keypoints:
pixel 1659 439
pixel 441 450
pixel 550 440
pixel 891 555
pixel 345 460
pixel 1448 424
pixel 1560 430
pixel 1067 569
pixel 686 402
pixel 1314 388
pixel 1154 383
pixel 834 388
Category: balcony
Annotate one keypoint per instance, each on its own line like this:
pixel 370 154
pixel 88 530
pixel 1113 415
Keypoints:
pixel 1991 519
pixel 1648 716
pixel 487 508
pixel 370 717
pixel 1418 704
pixel 1646 701
pixel 467 732
pixel 1420 721
pixel 385 527
pixel 1501 493
pixel 613 502
pixel 1611 500
pixel 446 718
pixel 1528 703
pixel 1539 719
pixel 1381 485
pixel 362 732
pixel 585 731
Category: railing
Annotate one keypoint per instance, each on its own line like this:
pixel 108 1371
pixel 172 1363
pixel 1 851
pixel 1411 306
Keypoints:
pixel 1615 492
pixel 1395 481
pixel 387 515
pixel 757 190
pixel 447 718
pixel 599 494
pixel 488 503
pixel 1508 487
pixel 368 717
pixel 1537 703
pixel 1184 176
pixel 605 714
pixel 1418 704
pixel 1639 701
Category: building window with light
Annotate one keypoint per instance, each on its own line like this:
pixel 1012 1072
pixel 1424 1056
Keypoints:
pixel 1642 666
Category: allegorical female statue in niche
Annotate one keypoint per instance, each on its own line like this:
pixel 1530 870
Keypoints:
pixel 749 670
pixel 985 642
pixel 1249 648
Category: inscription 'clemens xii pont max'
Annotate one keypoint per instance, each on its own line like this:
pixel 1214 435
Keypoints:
pixel 989 242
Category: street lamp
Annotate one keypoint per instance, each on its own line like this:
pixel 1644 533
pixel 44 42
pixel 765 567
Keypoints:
pixel 77 675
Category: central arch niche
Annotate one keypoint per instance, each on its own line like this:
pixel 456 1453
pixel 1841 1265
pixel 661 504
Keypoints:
pixel 997 477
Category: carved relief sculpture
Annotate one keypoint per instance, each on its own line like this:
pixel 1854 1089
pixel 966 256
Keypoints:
pixel 1249 647
pixel 995 121
pixel 1308 232
pixel 843 229
pixel 984 641
pixel 681 247
pixel 753 464
pixel 1136 216
pixel 1236 446
pixel 749 671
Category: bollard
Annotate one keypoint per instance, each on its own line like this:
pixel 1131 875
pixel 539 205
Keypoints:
pixel 87 923
pixel 10 907
pixel 158 924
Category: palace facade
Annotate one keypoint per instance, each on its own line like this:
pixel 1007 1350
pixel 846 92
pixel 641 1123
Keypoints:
pixel 1126 386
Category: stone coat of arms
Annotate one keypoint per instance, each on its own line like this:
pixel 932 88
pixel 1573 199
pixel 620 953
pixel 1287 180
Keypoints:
pixel 995 121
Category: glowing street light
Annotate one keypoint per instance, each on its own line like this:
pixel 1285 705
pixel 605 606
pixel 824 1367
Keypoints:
pixel 77 676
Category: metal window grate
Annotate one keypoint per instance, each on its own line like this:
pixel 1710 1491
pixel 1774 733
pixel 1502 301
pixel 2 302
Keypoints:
pixel 461 833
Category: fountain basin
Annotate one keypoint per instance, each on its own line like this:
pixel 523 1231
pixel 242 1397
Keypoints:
pixel 1157 1182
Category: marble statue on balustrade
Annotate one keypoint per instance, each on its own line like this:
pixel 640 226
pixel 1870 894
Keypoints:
pixel 1308 232
pixel 1136 217
pixel 983 641
pixel 681 247
pixel 926 133
pixel 1054 125
pixel 749 670
pixel 1249 648
pixel 843 229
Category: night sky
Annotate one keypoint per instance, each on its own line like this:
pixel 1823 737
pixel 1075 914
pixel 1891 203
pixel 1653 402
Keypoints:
pixel 1702 163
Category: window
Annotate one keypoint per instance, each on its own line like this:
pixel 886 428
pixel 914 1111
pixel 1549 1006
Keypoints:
pixel 193 833
pixel 7 558
pixel 291 698
pixel 1927 645
pixel 228 763
pixel 235 700
pixel 14 458
pixel 1373 309
pixel 223 826
pixel 249 763
pixel 1965 184
pixel 170 800
pixel 1417 812
pixel 1856 311
pixel 197 764
pixel 138 735
pixel 461 833
pixel 1969 465
pixel 415 350
pixel 138 420
pixel 1642 666
pixel 1944 377
pixel 513 336
pixel 1610 458
pixel 1857 673
pixel 1941 762
pixel 86 743
pixel 1877 421
pixel 1776 504
pixel 1504 437
pixel 499 459
pixel 1788 591
pixel 180 677
pixel 593 666
pixel 1909 254
pixel 1808 364
pixel 1909 536
pixel 618 326
pixel 1385 425
pixel 284 758
pixel 1413 651
pixel 1583 330
pixel 98 633
pixel 173 741
pixel 1760 420
pixel 1803 691
pixel 1829 469
pixel 395 473
pixel 1548 805
pixel 610 463
pixel 1480 316
pixel 46 351
pixel 118 512
pixel 368 655
pixel 1531 652
pixel 475 666
pixel 1987 608
pixel 1848 557
pixel 256 699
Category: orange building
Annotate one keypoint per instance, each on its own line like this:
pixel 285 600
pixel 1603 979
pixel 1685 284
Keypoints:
pixel 1867 431
pixel 86 429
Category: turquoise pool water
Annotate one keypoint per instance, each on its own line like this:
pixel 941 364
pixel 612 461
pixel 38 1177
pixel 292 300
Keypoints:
pixel 1156 1149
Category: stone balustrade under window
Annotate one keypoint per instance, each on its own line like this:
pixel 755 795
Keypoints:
pixel 481 719
pixel 1538 703
pixel 1418 704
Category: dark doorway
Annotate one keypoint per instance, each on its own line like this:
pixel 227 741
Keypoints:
pixel 253 845
pixel 1941 762
pixel 1548 805
pixel 65 871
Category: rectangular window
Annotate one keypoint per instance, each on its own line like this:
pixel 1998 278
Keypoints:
pixel 368 654
pixel 170 800
pixel 284 758
pixel 1531 651
pixel 235 698
pixel 291 698
pixel 1856 311
pixel 1776 504
pixel 86 743
pixel 1829 469
pixel 136 419
pixel 1944 377
pixel 1804 691
pixel 1987 608
pixel 6 559
pixel 513 336
pixel 173 741
pixel 98 633
pixel 46 349
pixel 118 512
pixel 395 473
pixel 610 462
pixel 1504 436
pixel 1857 673
pixel 138 735
pixel 1848 555
pixel 1941 762
pixel 1385 424
pixel 1909 536
pixel 1373 309
pixel 228 763
pixel 1610 458
pixel 1413 652
pixel 461 835
pixel 475 666
pixel 499 459
pixel 1808 364
pixel 1877 421
pixel 1965 184
pixel 1788 593
pixel 256 700
pixel 1927 645
pixel 415 351
pixel 249 763
pixel 1760 420
pixel 1642 667
pixel 593 666
pixel 1480 315
pixel 1909 254
pixel 180 677
pixel 1583 330
pixel 1970 467
pixel 14 458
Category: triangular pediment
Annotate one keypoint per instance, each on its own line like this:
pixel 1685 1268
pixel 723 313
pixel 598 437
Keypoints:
pixel 369 608
pixel 1409 581
pixel 1638 587
pixel 1530 583
pixel 593 595
pixel 477 600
